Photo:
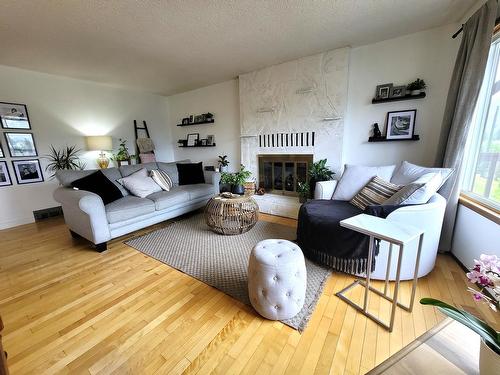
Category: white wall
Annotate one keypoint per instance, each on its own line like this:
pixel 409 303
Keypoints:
pixel 429 55
pixel 62 111
pixel 474 235
pixel 223 101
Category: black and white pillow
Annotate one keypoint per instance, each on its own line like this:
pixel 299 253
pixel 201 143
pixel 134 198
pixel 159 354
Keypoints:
pixel 162 179
pixel 375 192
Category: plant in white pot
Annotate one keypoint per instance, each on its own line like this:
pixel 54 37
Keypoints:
pixel 223 163
pixel 416 87
pixel 486 275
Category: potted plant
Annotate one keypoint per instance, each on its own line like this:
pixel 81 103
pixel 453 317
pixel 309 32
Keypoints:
pixel 226 182
pixel 239 178
pixel 67 158
pixel 303 190
pixel 318 172
pixel 223 163
pixel 486 275
pixel 122 154
pixel 416 87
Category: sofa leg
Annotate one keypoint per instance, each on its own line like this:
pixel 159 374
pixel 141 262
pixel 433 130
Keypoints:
pixel 74 234
pixel 100 247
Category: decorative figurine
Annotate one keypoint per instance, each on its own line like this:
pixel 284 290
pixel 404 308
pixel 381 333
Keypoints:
pixel 376 131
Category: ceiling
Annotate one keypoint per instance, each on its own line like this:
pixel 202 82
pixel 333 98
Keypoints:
pixel 171 46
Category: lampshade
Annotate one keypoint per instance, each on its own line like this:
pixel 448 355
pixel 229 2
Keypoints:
pixel 99 143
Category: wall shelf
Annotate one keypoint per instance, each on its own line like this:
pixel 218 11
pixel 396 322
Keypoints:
pixel 383 139
pixel 406 97
pixel 198 146
pixel 198 123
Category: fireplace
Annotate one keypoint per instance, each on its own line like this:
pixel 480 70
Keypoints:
pixel 280 174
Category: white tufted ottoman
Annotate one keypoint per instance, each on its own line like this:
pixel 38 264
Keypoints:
pixel 277 279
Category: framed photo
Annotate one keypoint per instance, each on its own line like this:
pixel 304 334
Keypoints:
pixel 14 116
pixel 397 91
pixel 2 155
pixel 401 124
pixel 27 171
pixel 198 118
pixel 192 139
pixel 4 174
pixel 20 144
pixel 383 91
pixel 210 140
pixel 203 142
pixel 185 121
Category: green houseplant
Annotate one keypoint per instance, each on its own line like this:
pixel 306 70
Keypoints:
pixel 486 275
pixel 223 163
pixel 304 190
pixel 66 158
pixel 122 153
pixel 319 171
pixel 236 180
pixel 416 87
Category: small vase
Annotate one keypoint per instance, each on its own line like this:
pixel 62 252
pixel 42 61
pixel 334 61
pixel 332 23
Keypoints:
pixel 489 360
pixel 415 92
pixel 238 189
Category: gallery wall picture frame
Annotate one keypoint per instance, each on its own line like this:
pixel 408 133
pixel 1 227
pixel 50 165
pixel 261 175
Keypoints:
pixel 5 179
pixel 20 144
pixel 2 155
pixel 27 171
pixel 14 116
pixel 192 139
pixel 401 124
pixel 210 140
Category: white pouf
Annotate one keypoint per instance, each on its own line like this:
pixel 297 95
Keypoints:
pixel 277 279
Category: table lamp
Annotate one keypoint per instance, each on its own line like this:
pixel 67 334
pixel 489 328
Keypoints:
pixel 100 143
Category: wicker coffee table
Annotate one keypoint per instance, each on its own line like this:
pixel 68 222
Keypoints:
pixel 231 216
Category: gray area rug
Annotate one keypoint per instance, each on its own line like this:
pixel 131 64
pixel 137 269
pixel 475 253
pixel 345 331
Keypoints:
pixel 221 261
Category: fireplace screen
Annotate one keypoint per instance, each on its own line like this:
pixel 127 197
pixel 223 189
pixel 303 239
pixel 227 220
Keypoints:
pixel 280 174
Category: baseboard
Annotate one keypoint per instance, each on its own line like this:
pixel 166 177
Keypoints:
pixel 10 223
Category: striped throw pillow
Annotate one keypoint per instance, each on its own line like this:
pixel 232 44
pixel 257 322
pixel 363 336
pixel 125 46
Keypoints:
pixel 162 179
pixel 377 191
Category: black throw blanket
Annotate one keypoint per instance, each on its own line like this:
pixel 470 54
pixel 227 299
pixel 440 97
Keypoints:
pixel 322 239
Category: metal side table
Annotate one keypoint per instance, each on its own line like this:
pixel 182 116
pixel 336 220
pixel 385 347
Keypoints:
pixel 395 234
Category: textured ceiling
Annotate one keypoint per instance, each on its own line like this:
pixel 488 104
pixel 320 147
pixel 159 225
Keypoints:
pixel 168 47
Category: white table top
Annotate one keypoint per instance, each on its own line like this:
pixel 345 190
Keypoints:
pixel 383 229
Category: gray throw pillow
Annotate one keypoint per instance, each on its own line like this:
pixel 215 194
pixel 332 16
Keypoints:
pixel 403 194
pixel 407 173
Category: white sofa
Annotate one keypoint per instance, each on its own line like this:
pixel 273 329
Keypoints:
pixel 428 217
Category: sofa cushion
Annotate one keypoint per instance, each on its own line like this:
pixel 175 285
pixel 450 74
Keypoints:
pixel 355 177
pixel 430 183
pixel 407 173
pixel 375 192
pixel 171 169
pixel 190 173
pixel 140 184
pixel 166 199
pixel 127 208
pixel 198 190
pixel 127 170
pixel 99 184
pixel 67 176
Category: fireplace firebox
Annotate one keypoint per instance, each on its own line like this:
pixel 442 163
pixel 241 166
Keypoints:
pixel 280 174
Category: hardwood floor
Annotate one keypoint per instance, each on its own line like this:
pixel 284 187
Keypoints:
pixel 68 309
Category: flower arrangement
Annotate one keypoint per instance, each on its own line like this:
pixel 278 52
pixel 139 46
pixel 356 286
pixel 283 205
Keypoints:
pixel 486 275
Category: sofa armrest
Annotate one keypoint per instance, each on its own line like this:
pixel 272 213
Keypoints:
pixel 84 213
pixel 213 178
pixel 325 189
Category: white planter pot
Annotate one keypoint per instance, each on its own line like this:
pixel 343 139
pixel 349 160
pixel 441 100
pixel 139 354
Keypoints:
pixel 489 361
pixel 415 92
pixel 223 169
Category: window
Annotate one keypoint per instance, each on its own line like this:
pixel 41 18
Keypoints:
pixel 482 172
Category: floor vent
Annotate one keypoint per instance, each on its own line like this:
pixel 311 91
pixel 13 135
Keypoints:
pixel 47 213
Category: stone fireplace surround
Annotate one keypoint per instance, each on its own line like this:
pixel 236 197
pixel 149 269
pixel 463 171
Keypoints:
pixel 294 108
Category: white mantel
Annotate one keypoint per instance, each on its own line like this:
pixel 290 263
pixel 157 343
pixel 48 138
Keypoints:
pixel 299 96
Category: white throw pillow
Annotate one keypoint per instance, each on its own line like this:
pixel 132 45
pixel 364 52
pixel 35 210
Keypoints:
pixel 408 172
pixel 355 177
pixel 140 184
pixel 431 183
pixel 162 178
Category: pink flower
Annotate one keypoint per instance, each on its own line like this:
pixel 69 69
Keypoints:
pixel 474 276
pixel 490 262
